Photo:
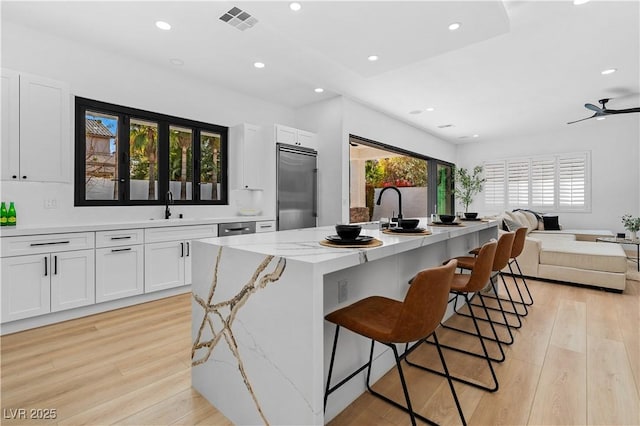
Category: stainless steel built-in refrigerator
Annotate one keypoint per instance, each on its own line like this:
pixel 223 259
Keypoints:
pixel 297 192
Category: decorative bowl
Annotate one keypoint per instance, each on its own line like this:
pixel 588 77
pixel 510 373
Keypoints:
pixel 348 232
pixel 471 215
pixel 447 218
pixel 408 223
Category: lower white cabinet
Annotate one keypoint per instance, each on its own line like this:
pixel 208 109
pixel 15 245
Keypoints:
pixel 167 265
pixel 119 272
pixel 50 282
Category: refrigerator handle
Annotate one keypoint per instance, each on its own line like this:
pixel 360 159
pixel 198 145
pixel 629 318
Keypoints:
pixel 315 193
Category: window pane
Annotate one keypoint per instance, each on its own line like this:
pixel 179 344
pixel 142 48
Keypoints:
pixel 518 183
pixel 143 165
pixel 543 182
pixel 210 167
pixel 572 173
pixel 101 156
pixel 180 163
pixel 494 174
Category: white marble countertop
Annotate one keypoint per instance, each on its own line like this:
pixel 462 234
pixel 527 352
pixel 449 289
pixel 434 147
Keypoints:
pixel 303 244
pixel 109 226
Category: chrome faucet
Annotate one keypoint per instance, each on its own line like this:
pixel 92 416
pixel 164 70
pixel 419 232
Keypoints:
pixel 399 199
pixel 168 199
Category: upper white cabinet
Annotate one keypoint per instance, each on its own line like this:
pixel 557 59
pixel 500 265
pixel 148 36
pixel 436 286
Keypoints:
pixel 298 137
pixel 247 151
pixel 36 144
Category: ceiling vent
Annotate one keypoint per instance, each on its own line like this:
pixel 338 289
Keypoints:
pixel 239 18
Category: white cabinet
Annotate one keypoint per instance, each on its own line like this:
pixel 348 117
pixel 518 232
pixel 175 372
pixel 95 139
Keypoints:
pixel 119 264
pixel 72 279
pixel 266 226
pixel 36 146
pixel 292 136
pixel 42 283
pixel 167 255
pixel 26 287
pixel 247 152
pixel 46 273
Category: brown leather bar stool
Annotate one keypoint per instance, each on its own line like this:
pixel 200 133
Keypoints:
pixel 463 285
pixel 392 322
pixel 500 261
pixel 516 250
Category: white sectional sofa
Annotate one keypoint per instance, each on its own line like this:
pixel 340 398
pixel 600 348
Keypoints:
pixel 571 256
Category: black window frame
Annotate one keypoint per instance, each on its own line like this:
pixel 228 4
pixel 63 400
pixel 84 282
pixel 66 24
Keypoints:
pixel 125 114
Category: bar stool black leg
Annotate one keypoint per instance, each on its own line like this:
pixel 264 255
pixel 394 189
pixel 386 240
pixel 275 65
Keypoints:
pixel 333 357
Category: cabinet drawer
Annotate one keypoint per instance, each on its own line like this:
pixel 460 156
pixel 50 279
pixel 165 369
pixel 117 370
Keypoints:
pixel 52 243
pixel 266 226
pixel 124 237
pixel 172 233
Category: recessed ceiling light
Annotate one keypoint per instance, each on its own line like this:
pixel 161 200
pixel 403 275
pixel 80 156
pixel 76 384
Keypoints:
pixel 600 118
pixel 176 61
pixel 295 6
pixel 163 25
pixel 476 136
pixel 608 71
pixel 258 64
pixel 430 109
pixel 579 2
pixel 454 26
pixel 373 58
pixel 318 90
pixel 415 111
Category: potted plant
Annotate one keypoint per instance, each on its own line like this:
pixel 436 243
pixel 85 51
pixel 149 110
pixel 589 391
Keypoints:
pixel 631 224
pixel 468 184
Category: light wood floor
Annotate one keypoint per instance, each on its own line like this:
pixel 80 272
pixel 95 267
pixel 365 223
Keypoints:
pixel 576 360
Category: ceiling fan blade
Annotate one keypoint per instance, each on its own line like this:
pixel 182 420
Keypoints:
pixel 582 119
pixel 621 111
pixel 592 107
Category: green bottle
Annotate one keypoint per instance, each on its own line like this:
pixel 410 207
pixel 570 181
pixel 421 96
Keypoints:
pixel 3 214
pixel 12 217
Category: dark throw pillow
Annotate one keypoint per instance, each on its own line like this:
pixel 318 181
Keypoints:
pixel 551 223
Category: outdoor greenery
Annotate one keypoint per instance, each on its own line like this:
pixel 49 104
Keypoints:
pixel 631 223
pixel 143 149
pixel 396 171
pixel 467 185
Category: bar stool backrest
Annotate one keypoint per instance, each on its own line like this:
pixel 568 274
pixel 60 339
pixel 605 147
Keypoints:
pixel 425 304
pixel 482 267
pixel 503 251
pixel 518 242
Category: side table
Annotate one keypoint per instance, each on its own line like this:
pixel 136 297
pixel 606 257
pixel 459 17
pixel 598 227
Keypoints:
pixel 635 242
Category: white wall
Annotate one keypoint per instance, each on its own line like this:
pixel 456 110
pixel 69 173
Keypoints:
pixel 113 78
pixel 334 120
pixel 615 181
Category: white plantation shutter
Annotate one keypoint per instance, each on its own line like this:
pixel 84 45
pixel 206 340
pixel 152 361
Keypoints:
pixel 494 185
pixel 518 183
pixel 572 182
pixel 543 182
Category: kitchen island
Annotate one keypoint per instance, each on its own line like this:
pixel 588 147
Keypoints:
pixel 261 347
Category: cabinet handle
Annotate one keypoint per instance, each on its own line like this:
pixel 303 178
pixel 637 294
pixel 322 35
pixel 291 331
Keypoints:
pixel 188 250
pixel 265 226
pixel 119 250
pixel 24 177
pixel 46 262
pixel 14 177
pixel 49 244
pixel 55 265
pixel 235 229
pixel 121 238
pixel 181 249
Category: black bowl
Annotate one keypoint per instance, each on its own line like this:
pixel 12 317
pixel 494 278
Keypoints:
pixel 447 218
pixel 348 232
pixel 408 223
pixel 471 215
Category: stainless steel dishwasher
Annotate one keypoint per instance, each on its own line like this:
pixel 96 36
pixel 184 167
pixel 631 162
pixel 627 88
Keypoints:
pixel 236 228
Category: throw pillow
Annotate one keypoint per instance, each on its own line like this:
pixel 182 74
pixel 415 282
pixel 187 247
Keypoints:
pixel 521 218
pixel 510 225
pixel 551 223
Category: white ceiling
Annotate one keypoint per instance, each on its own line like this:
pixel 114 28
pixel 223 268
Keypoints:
pixel 514 67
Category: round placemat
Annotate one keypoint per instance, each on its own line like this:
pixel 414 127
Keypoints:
pixel 373 243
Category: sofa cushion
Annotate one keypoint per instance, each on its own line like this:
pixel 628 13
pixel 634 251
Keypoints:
pixel 583 255
pixel 510 225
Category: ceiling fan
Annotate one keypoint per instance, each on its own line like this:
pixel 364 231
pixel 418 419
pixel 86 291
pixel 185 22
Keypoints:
pixel 600 112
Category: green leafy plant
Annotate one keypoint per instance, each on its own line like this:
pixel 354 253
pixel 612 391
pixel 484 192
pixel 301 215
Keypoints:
pixel 468 184
pixel 631 223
